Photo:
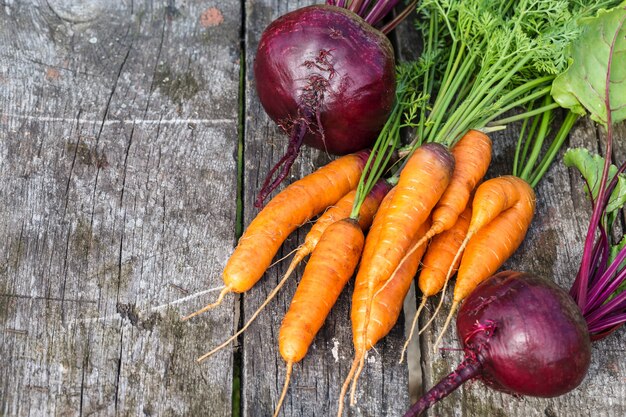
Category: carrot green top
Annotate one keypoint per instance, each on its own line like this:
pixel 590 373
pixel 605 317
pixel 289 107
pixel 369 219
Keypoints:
pixel 482 59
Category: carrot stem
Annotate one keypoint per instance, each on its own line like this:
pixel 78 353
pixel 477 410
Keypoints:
pixel 524 115
pixel 518 146
pixel 556 145
pixel 542 92
pixel 531 134
pixel 537 141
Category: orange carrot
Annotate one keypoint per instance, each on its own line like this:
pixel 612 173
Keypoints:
pixel 291 208
pixel 489 248
pixel 436 263
pixel 386 305
pixel 440 255
pixel 422 182
pixel 337 212
pixel 387 301
pixel 360 295
pixel 472 155
pixel 330 266
pixel 503 209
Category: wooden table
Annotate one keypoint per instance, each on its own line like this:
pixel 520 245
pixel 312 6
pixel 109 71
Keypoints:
pixel 131 147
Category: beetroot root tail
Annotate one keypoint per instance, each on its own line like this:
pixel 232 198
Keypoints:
pixel 296 139
pixel 468 369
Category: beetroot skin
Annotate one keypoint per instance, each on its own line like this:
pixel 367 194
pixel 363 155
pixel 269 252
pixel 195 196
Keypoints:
pixel 539 344
pixel 522 335
pixel 326 67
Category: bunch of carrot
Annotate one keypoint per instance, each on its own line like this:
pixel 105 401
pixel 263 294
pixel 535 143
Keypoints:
pixel 432 192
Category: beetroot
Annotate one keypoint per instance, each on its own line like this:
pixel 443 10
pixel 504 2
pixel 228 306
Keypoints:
pixel 521 334
pixel 326 76
pixel 342 84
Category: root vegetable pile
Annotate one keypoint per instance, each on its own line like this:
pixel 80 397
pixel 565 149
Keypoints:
pixel 327 77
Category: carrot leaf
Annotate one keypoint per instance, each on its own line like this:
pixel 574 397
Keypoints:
pixel 581 87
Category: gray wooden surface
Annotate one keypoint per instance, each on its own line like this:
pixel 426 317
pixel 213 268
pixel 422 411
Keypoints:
pixel 126 131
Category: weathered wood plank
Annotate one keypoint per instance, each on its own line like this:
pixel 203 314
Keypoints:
pixel 317 380
pixel 118 147
pixel 552 249
pixel 118 137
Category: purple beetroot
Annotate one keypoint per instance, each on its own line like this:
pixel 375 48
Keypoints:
pixel 521 334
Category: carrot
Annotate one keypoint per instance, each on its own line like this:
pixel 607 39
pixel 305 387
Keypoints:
pixel 386 303
pixel 440 255
pixel 422 182
pixel 337 212
pixel 343 209
pixel 291 208
pixel 472 155
pixel 501 237
pixel 360 293
pixel 361 285
pixel 503 209
pixel 330 266
pixel 386 306
pixel 436 263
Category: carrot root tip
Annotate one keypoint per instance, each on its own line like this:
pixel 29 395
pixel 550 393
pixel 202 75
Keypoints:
pixel 413 326
pixel 208 307
pixel 285 387
pixel 355 381
pixel 346 383
pixel 445 326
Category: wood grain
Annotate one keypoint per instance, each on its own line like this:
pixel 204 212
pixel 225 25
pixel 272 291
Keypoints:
pixel 118 133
